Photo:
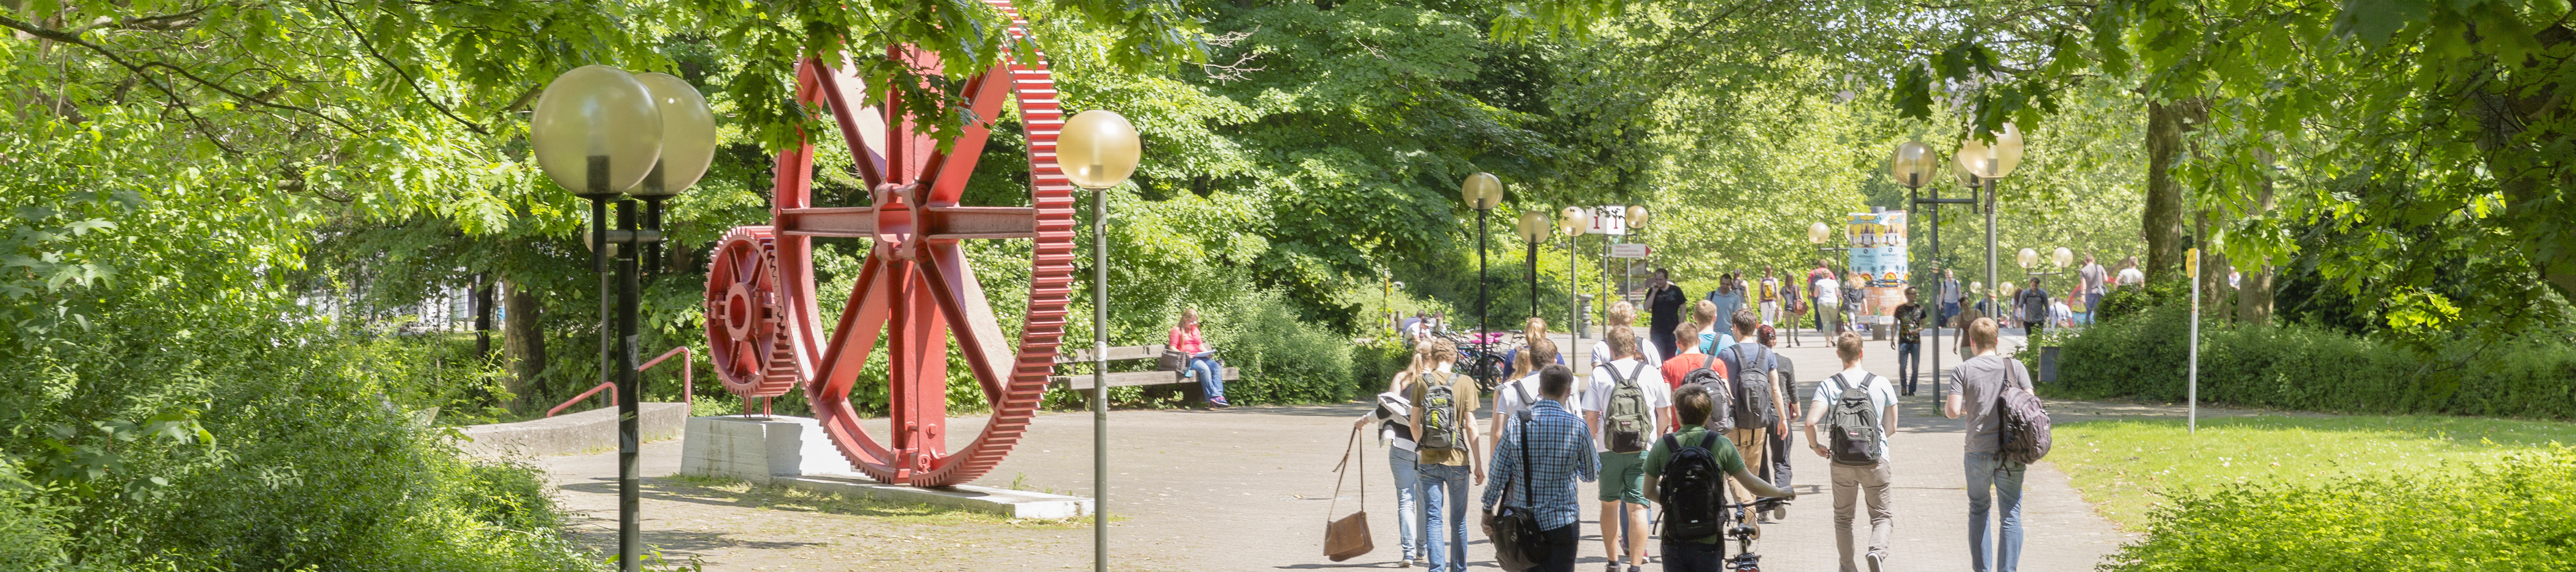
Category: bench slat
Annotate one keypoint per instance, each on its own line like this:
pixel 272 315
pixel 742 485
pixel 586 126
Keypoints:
pixel 1134 378
pixel 1083 355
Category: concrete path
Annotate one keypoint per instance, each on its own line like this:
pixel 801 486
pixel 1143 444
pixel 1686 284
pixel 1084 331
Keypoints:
pixel 1249 489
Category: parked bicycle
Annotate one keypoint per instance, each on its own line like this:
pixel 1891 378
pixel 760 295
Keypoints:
pixel 1483 357
pixel 1744 532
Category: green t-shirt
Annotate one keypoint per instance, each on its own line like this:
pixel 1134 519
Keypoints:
pixel 1728 461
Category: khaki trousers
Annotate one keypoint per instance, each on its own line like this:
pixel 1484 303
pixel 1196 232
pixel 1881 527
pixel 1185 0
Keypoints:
pixel 1751 444
pixel 1850 481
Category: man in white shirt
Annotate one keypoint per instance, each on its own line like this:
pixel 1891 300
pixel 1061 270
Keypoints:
pixel 1623 473
pixel 1829 304
pixel 2130 275
pixel 1623 315
pixel 1856 480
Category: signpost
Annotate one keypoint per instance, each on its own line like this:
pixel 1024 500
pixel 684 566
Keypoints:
pixel 2191 267
pixel 1629 250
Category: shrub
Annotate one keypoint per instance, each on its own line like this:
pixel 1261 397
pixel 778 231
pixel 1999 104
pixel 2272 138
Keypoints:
pixel 1283 359
pixel 2313 369
pixel 2517 514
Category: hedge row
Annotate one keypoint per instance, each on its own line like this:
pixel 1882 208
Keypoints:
pixel 2142 356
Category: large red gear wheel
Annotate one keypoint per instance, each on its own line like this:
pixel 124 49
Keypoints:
pixel 746 339
pixel 915 289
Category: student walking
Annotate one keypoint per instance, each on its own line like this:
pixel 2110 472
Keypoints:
pixel 1623 316
pixel 1767 294
pixel 2130 276
pixel 1855 302
pixel 1203 363
pixel 1858 410
pixel 1909 340
pixel 1683 472
pixel 1823 273
pixel 1444 429
pixel 1729 295
pixel 2096 283
pixel 1625 406
pixel 2033 305
pixel 1558 451
pixel 1713 334
pixel 1994 483
pixel 1950 296
pixel 1394 416
pixel 1754 392
pixel 1664 302
pixel 1517 395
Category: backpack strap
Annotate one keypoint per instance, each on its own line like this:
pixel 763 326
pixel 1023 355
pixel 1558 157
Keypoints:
pixel 1523 390
pixel 1640 370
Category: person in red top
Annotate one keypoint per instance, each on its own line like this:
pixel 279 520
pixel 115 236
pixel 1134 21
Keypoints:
pixel 1203 363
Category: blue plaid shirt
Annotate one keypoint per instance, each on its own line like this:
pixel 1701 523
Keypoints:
pixel 1560 451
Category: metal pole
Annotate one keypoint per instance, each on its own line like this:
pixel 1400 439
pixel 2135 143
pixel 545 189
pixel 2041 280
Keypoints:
pixel 2192 421
pixel 1990 260
pixel 1533 278
pixel 1100 380
pixel 629 447
pixel 1574 289
pixel 1939 282
pixel 1481 327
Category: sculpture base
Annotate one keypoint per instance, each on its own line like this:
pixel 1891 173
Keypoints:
pixel 793 452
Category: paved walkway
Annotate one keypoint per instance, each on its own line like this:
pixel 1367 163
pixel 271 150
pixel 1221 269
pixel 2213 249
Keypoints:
pixel 1248 489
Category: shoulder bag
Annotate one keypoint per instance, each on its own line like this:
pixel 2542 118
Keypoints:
pixel 1517 543
pixel 1348 537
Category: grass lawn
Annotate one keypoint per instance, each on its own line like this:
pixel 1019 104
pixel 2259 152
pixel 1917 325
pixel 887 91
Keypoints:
pixel 2123 467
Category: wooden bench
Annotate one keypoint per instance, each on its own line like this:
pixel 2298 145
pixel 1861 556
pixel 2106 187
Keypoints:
pixel 1133 378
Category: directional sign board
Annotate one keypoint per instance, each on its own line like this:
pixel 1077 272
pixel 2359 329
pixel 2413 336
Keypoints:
pixel 1629 250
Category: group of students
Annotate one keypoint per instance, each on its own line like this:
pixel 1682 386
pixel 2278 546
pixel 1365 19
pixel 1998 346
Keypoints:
pixel 1646 426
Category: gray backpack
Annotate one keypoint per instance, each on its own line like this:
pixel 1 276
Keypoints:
pixel 1627 419
pixel 1439 414
pixel 1855 424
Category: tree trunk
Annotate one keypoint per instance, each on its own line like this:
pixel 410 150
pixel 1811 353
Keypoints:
pixel 523 338
pixel 2162 220
pixel 2254 298
pixel 483 316
pixel 2213 270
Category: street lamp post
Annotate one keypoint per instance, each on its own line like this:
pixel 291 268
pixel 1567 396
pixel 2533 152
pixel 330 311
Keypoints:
pixel 1483 192
pixel 1912 165
pixel 1098 150
pixel 1987 163
pixel 1533 230
pixel 605 134
pixel 1635 222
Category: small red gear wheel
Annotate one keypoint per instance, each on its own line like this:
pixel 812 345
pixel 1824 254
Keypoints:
pixel 746 332
pixel 915 292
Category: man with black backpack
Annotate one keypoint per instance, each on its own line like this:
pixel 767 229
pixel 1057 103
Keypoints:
pixel 1625 405
pixel 1756 408
pixel 1858 410
pixel 2006 432
pixel 1684 471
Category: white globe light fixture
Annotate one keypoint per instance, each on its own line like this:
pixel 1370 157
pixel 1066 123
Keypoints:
pixel 1819 233
pixel 595 131
pixel 2062 257
pixel 2027 257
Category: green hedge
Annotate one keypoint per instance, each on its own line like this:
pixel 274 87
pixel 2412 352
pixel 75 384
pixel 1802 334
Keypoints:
pixel 2517 514
pixel 2142 356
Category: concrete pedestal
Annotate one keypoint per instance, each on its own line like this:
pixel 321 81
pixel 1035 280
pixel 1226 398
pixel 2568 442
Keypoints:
pixel 793 452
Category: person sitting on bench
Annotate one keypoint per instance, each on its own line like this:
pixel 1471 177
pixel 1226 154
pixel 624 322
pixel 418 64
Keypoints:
pixel 1203 363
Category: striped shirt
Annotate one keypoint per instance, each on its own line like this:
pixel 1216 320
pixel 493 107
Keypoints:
pixel 1560 451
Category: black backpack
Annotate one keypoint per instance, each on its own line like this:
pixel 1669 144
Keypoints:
pixel 1690 487
pixel 1721 398
pixel 2021 423
pixel 1752 392
pixel 1855 424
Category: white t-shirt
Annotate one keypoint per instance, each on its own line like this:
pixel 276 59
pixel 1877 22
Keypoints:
pixel 2132 276
pixel 1829 292
pixel 1596 398
pixel 1601 351
pixel 1507 397
pixel 1882 395
pixel 2059 315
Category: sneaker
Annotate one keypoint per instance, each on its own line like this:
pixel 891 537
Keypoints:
pixel 1636 568
pixel 1219 402
pixel 1407 563
pixel 1876 557
pixel 1614 566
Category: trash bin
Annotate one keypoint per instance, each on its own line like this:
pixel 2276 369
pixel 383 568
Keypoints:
pixel 2048 364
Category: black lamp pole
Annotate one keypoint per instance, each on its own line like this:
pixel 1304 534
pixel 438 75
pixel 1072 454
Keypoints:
pixel 617 254
pixel 1481 327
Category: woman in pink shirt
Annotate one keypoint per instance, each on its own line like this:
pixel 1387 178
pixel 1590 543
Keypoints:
pixel 1203 364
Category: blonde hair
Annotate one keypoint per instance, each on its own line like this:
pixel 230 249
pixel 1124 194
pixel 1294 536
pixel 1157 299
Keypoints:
pixel 1703 315
pixel 1535 327
pixel 1847 346
pixel 1981 333
pixel 1442 351
pixel 1623 313
pixel 1623 343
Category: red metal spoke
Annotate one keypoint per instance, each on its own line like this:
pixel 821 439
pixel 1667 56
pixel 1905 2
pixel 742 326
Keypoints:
pixel 962 299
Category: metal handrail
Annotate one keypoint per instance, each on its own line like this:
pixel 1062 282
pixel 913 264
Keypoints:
pixel 688 385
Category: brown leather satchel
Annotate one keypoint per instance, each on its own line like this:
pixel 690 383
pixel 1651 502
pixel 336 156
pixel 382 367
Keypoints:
pixel 1348 537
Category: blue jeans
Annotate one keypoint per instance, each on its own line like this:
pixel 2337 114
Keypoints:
pixel 1211 376
pixel 1444 532
pixel 1948 310
pixel 1991 471
pixel 1909 363
pixel 1407 486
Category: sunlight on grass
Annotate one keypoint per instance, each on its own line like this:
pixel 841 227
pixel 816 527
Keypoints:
pixel 2124 467
pixel 802 500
